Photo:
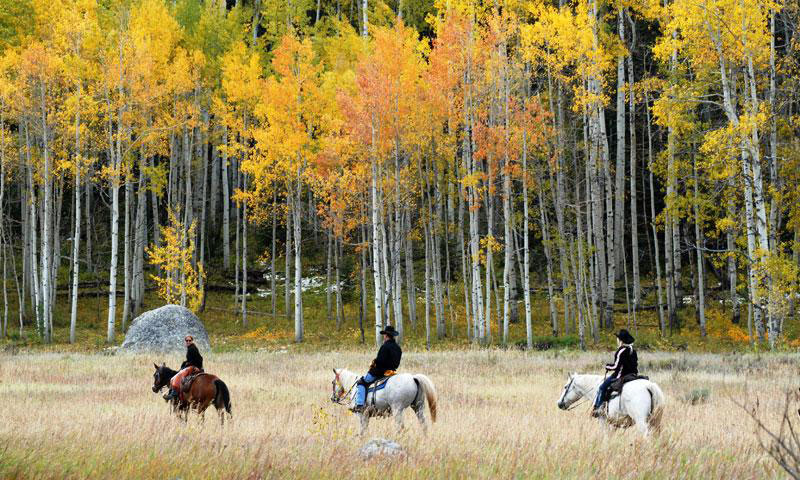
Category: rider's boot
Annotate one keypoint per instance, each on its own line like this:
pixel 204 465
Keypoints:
pixel 171 395
pixel 598 411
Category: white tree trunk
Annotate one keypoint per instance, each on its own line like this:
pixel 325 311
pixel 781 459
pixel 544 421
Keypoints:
pixel 287 263
pixel 508 245
pixel 140 242
pixel 619 187
pixel 546 244
pixel 244 256
pixel 3 249
pixel 226 201
pixel 73 318
pixel 112 282
pixel 634 206
pixel 701 296
pixel 337 254
pixel 465 272
pixel 298 266
pixel 662 322
pixel 376 234
pixel 328 291
pixel 33 264
pixel 526 284
pixel 410 281
pixel 579 277
pixel 126 255
pixel 47 220
pixel 364 19
pixel 427 287
pixel 273 287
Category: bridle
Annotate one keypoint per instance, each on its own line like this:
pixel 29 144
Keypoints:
pixel 159 380
pixel 340 397
pixel 579 402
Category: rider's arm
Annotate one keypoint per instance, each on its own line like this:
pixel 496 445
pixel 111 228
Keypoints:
pixel 382 358
pixel 615 364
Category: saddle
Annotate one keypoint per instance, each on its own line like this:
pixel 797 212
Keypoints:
pixel 378 384
pixel 177 381
pixel 187 381
pixel 619 384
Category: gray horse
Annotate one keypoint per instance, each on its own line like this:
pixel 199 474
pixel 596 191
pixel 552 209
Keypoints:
pixel 641 402
pixel 401 391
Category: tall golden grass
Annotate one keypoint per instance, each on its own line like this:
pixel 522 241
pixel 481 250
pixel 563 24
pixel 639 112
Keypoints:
pixel 94 416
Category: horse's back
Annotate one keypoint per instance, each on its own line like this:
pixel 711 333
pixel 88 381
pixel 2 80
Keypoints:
pixel 396 387
pixel 643 395
pixel 637 388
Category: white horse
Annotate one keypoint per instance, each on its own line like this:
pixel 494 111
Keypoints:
pixel 402 390
pixel 641 402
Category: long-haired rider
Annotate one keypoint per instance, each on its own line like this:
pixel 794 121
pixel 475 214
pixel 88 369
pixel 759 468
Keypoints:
pixel 625 362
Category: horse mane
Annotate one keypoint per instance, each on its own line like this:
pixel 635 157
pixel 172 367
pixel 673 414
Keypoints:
pixel 588 382
pixel 346 377
pixel 165 369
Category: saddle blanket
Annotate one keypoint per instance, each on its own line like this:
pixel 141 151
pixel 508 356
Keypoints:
pixel 378 384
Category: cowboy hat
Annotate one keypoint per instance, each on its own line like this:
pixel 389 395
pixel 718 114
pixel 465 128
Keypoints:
pixel 625 336
pixel 389 330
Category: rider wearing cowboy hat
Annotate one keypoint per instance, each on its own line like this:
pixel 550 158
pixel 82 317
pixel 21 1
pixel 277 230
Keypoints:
pixel 388 359
pixel 625 362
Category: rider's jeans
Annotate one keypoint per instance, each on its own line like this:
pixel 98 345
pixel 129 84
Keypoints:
pixel 601 391
pixel 361 390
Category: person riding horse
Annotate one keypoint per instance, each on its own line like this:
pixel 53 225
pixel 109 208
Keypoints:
pixel 625 362
pixel 192 364
pixel 388 360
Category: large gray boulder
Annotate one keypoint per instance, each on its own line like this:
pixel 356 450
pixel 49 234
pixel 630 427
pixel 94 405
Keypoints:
pixel 163 330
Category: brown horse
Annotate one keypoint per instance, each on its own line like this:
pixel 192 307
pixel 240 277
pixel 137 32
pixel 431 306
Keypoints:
pixel 198 394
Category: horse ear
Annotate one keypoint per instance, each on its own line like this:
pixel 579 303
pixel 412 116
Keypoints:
pixel 155 366
pixel 335 373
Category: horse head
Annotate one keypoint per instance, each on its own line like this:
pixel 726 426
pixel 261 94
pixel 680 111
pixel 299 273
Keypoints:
pixel 337 389
pixel 161 377
pixel 570 394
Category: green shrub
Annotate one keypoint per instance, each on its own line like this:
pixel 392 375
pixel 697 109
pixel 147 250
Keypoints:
pixel 697 396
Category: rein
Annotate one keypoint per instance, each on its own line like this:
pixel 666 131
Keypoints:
pixel 577 404
pixel 584 399
pixel 345 394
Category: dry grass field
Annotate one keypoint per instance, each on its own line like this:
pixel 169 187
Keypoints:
pixel 94 416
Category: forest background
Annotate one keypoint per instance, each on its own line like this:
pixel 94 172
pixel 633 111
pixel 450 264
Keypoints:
pixel 534 173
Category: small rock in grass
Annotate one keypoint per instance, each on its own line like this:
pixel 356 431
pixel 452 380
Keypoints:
pixel 381 447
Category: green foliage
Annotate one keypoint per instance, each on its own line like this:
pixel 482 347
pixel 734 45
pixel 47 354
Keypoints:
pixel 16 22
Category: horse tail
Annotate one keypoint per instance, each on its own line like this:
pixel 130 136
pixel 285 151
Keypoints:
pixel 223 396
pixel 657 401
pixel 430 393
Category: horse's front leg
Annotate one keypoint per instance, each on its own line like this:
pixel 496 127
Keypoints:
pixel 185 408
